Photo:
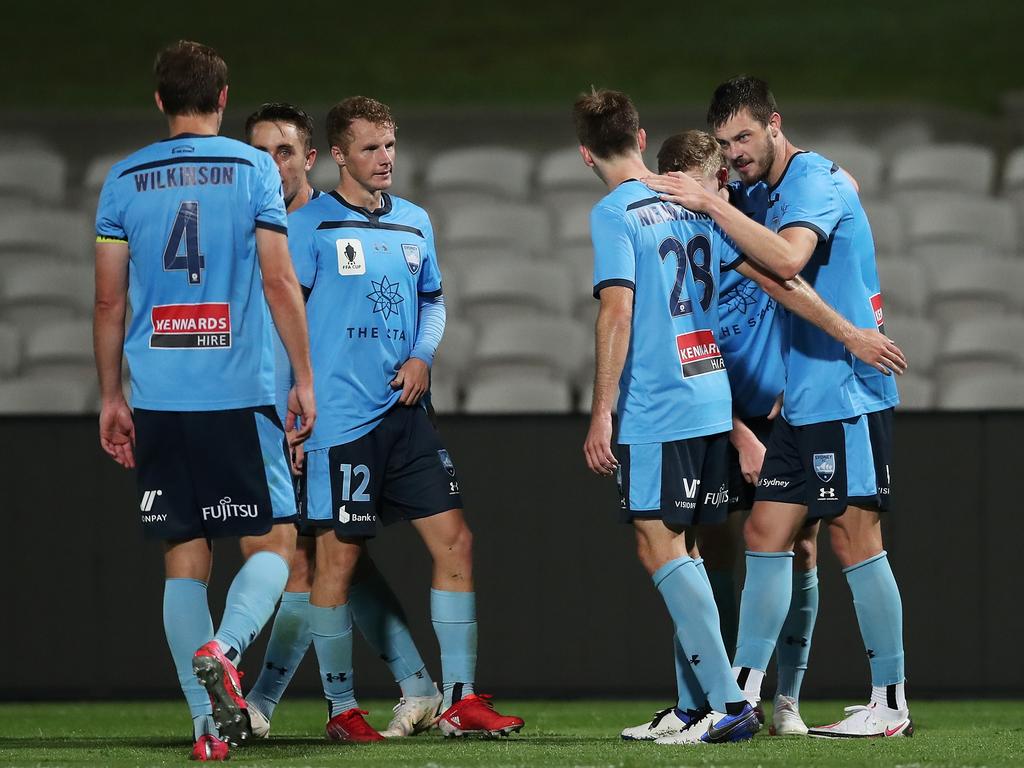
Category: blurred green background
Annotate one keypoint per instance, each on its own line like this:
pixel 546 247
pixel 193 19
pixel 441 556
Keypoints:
pixel 98 56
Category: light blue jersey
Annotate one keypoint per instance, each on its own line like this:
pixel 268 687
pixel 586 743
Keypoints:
pixel 824 382
pixel 200 337
pixel 366 273
pixel 750 335
pixel 674 385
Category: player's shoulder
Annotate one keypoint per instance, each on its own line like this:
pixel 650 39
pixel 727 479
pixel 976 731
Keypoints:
pixel 310 215
pixel 627 196
pixel 402 211
pixel 810 165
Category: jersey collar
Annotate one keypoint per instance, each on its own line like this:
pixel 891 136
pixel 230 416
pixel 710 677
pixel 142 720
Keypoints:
pixel 384 210
pixel 177 136
pixel 774 186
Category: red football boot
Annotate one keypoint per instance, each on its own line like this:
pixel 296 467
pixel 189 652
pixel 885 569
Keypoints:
pixel 351 728
pixel 208 747
pixel 224 685
pixel 474 715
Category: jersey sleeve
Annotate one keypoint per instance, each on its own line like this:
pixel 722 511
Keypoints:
pixel 429 283
pixel 726 252
pixel 813 203
pixel 614 254
pixel 109 223
pixel 302 246
pixel 268 200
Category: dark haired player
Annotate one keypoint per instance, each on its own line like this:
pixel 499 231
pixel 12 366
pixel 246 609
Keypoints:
pixel 201 223
pixel 286 132
pixel 829 454
pixel 376 317
pixel 674 402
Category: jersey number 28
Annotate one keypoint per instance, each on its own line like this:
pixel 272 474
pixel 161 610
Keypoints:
pixel 182 250
pixel 687 258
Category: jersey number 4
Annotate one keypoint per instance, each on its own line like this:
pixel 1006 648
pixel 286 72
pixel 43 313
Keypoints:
pixel 182 250
pixel 687 258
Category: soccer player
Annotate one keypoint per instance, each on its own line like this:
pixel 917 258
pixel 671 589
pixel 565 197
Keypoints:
pixel 674 403
pixel 750 340
pixel 286 132
pixel 376 316
pixel 829 454
pixel 193 230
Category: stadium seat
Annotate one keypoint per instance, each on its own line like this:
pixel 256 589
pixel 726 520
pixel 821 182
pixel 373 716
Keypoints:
pixel 464 174
pixel 964 290
pixel 563 179
pixel 33 395
pixel 57 232
pixel 572 224
pixel 580 262
pixel 543 344
pixel 917 393
pixel 518 394
pixel 511 225
pixel 982 392
pixel 982 345
pixel 904 286
pixel 458 258
pixel 444 395
pixel 962 220
pixel 907 133
pixel 936 256
pixel 98 168
pixel 62 349
pixel 939 168
pixel 34 294
pixel 587 396
pixel 34 172
pixel 500 289
pixel 10 350
pixel 861 161
pixel 917 337
pixel 1013 175
pixel 887 227
pixel 457 346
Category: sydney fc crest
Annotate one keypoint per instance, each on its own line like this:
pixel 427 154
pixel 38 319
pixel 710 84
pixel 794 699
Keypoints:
pixel 824 466
pixel 412 257
pixel 446 460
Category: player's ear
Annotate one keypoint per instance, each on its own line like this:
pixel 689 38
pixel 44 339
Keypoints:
pixel 310 159
pixel 158 100
pixel 775 124
pixel 641 139
pixel 222 99
pixel 339 158
pixel 588 159
pixel 722 176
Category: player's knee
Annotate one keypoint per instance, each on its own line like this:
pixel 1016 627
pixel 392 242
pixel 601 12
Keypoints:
pixel 459 545
pixel 805 554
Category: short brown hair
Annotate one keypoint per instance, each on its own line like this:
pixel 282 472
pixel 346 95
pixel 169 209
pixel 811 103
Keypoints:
pixel 189 78
pixel 689 151
pixel 342 114
pixel 280 112
pixel 607 123
pixel 743 92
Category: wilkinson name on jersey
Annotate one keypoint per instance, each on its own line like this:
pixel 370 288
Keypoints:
pixel 184 176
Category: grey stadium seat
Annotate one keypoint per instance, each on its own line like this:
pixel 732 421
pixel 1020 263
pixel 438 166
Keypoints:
pixel 60 349
pixel 916 336
pixel 444 395
pixel 917 393
pixel 34 172
pixel 58 232
pixel 963 290
pixel 518 394
pixel 982 345
pixel 563 179
pixel 982 392
pixel 937 256
pixel 34 294
pixel 515 288
pixel 497 172
pixel 1013 175
pixel 457 346
pixel 966 168
pixel 10 350
pixel 460 257
pixel 904 286
pixel 962 220
pixel 512 225
pixel 548 345
pixel 45 396
pixel 861 161
pixel 572 224
pixel 887 228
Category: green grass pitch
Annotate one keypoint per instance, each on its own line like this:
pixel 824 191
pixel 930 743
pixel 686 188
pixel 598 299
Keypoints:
pixel 557 733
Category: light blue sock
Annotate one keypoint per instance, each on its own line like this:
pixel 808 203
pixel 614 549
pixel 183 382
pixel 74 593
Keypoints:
pixel 879 607
pixel 763 607
pixel 692 607
pixel 188 625
pixel 688 691
pixel 332 638
pixel 453 615
pixel 794 645
pixel 252 598
pixel 289 641
pixel 377 613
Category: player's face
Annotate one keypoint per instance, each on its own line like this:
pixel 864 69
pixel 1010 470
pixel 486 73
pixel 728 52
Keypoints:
pixel 370 157
pixel 748 146
pixel 285 144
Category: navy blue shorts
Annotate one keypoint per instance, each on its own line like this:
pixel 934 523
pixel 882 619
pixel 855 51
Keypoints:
pixel 211 474
pixel 830 465
pixel 398 471
pixel 683 483
pixel 741 493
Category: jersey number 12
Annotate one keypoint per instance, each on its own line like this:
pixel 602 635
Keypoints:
pixel 182 250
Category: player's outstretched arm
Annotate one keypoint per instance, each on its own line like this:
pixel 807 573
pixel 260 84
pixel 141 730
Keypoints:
pixel 117 430
pixel 799 297
pixel 751 450
pixel 284 297
pixel 614 325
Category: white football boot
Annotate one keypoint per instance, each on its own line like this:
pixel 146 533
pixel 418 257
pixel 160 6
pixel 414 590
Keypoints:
pixel 258 722
pixel 413 714
pixel 867 722
pixel 664 723
pixel 692 732
pixel 786 720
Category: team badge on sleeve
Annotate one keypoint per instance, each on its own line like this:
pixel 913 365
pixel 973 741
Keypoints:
pixel 824 466
pixel 412 257
pixel 446 462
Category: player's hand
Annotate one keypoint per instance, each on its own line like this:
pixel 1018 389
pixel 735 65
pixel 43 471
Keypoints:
pixel 413 378
pixel 117 432
pixel 751 459
pixel 676 187
pixel 297 454
pixel 598 446
pixel 877 350
pixel 298 423
pixel 777 406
